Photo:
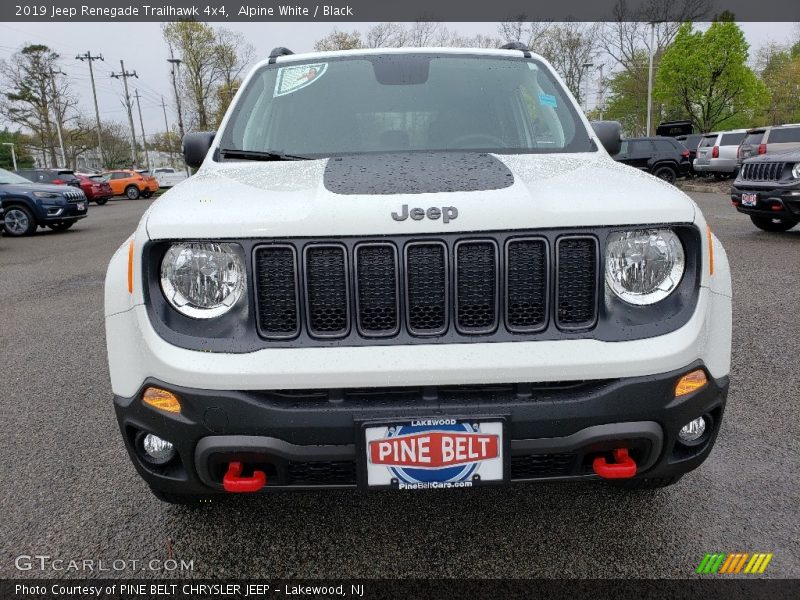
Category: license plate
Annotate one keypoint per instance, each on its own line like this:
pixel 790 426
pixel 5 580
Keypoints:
pixel 749 199
pixel 431 453
pixel 81 206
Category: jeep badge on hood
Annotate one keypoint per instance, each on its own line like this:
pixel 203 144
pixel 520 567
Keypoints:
pixel 447 213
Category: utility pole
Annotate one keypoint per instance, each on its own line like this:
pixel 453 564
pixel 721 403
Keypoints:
pixel 176 63
pixel 88 57
pixel 601 91
pixel 13 153
pixel 650 77
pixel 124 76
pixel 141 124
pixel 59 124
pixel 586 66
pixel 166 126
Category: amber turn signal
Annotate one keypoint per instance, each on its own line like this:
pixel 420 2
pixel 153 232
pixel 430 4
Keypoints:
pixel 162 400
pixel 691 382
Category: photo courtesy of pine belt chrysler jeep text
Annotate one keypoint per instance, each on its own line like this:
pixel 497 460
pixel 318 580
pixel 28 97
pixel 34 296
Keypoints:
pixel 410 269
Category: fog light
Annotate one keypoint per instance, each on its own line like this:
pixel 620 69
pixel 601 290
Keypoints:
pixel 158 450
pixel 693 430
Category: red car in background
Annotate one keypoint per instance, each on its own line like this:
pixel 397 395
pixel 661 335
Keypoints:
pixel 96 188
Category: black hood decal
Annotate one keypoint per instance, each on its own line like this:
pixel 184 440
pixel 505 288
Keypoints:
pixel 416 173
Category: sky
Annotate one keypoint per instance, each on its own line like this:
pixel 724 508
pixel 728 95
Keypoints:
pixel 142 48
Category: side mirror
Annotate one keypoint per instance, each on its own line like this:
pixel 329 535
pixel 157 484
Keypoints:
pixel 610 135
pixel 195 146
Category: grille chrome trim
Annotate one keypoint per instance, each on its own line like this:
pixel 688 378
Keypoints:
pixel 259 284
pixel 546 290
pixel 495 302
pixel 588 324
pixel 357 290
pixel 407 289
pixel 308 301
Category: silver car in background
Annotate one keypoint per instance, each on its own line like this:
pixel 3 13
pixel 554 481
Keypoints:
pixel 717 153
pixel 763 140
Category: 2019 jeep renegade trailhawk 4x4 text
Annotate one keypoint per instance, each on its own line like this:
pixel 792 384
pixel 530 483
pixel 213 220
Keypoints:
pixel 415 269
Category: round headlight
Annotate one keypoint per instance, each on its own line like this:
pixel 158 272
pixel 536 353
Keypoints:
pixel 796 171
pixel 644 266
pixel 203 280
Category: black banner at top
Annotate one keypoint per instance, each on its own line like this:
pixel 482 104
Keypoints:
pixel 398 11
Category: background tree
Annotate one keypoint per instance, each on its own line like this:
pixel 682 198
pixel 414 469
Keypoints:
pixel 234 53
pixel 28 98
pixel 339 40
pixel 24 159
pixel 704 76
pixel 627 96
pixel 116 145
pixel 779 69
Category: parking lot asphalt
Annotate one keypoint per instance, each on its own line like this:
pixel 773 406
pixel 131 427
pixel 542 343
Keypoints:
pixel 70 492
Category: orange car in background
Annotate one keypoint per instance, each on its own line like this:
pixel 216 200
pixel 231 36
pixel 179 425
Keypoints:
pixel 131 184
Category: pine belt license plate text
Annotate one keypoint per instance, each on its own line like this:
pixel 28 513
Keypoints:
pixel 432 453
pixel 749 199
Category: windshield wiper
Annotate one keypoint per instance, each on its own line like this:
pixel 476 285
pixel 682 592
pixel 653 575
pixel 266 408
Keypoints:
pixel 260 155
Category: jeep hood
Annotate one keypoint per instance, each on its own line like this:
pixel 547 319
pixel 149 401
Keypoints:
pixel 303 198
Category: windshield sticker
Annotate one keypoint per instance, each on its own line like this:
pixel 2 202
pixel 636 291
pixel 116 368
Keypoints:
pixel 291 79
pixel 547 100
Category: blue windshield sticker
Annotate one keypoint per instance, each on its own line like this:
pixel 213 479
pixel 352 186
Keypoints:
pixel 291 79
pixel 547 100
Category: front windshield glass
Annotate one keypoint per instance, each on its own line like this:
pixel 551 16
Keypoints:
pixel 9 177
pixel 405 102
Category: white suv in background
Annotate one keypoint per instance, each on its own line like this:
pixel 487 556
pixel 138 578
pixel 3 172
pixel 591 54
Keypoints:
pixel 411 269
pixel 717 152
pixel 168 177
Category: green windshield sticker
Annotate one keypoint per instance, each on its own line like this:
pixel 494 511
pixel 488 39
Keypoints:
pixel 291 79
pixel 547 100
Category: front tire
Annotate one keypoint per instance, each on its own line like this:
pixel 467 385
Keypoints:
pixel 666 173
pixel 773 225
pixel 18 221
pixel 147 194
pixel 101 201
pixel 132 192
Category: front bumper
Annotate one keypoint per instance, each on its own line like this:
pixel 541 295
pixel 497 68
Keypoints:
pixel 310 439
pixel 55 213
pixel 773 202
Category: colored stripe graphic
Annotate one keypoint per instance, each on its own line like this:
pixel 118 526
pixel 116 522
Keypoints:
pixel 733 563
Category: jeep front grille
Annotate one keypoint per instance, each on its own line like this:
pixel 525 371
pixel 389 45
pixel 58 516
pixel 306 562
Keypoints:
pixel 762 171
pixel 450 288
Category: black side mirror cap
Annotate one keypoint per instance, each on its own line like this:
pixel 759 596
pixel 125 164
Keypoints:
pixel 195 147
pixel 610 135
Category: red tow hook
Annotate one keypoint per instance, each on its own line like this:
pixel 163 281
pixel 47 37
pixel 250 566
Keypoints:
pixel 234 482
pixel 624 466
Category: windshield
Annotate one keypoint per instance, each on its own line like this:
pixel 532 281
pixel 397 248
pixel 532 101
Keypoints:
pixel 404 102
pixel 9 177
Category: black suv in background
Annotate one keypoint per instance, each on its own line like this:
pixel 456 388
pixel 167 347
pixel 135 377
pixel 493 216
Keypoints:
pixel 767 189
pixel 29 205
pixel 664 157
pixel 54 176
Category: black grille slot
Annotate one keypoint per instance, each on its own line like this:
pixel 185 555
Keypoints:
pixel 426 288
pixel 576 293
pixel 526 285
pixel 763 171
pixel 377 289
pixel 331 472
pixel 534 466
pixel 476 286
pixel 327 297
pixel 278 307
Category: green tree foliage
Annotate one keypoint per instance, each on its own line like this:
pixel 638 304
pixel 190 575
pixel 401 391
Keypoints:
pixel 779 68
pixel 339 40
pixel 704 77
pixel 627 97
pixel 24 159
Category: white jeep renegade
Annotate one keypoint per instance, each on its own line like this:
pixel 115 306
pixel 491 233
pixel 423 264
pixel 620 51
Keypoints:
pixel 411 269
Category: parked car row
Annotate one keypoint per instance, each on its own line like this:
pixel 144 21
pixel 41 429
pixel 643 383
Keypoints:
pixel 28 205
pixel 664 157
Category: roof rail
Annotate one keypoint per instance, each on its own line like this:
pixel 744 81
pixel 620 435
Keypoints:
pixel 279 51
pixel 517 46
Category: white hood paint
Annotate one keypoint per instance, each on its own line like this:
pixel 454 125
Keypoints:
pixel 288 199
